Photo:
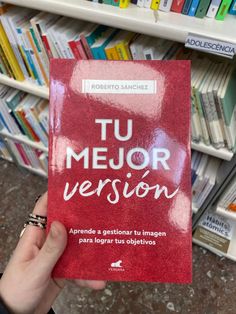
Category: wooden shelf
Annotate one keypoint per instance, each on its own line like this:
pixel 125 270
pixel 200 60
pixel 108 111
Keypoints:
pixel 169 25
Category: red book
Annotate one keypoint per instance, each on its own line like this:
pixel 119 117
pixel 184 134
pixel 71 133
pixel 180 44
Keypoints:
pixel 119 169
pixel 177 6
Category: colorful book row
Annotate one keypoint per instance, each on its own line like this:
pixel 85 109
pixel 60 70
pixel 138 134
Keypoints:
pixel 199 8
pixel 22 113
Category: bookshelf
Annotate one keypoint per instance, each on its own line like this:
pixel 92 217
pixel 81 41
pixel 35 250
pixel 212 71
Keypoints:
pixel 44 93
pixel 25 86
pixel 166 25
pixel 24 140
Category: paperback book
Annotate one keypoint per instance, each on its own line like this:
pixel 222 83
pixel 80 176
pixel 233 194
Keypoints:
pixel 119 169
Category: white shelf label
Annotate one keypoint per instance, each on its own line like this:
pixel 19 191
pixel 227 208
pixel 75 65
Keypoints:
pixel 210 45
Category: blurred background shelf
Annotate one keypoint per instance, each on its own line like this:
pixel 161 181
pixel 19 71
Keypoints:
pixel 169 25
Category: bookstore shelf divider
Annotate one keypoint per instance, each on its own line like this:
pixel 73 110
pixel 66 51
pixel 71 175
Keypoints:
pixel 169 25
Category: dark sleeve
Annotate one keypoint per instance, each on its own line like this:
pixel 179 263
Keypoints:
pixel 4 310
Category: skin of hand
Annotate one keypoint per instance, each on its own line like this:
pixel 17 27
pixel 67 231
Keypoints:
pixel 27 286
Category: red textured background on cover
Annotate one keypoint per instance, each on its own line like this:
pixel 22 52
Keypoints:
pixel 159 120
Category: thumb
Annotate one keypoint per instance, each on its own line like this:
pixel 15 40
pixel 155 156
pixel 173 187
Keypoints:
pixel 52 249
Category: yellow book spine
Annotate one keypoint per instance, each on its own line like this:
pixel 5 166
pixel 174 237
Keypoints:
pixel 124 4
pixel 112 54
pixel 10 55
pixel 155 4
pixel 120 48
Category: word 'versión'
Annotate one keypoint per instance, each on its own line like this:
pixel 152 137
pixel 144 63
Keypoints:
pixel 96 158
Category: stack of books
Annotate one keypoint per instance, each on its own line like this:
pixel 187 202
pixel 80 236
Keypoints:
pixel 204 174
pixel 217 9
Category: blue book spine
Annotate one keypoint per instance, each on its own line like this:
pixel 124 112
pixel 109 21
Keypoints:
pixel 187 6
pixel 193 8
pixel 96 53
pixel 3 123
pixel 232 9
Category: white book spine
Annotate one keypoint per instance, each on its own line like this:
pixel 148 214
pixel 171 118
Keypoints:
pixel 140 3
pixel 212 121
pixel 165 5
pixel 213 8
pixel 147 4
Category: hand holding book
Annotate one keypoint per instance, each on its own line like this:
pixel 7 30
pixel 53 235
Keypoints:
pixel 27 284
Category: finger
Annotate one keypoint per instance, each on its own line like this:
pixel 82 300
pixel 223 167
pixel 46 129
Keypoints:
pixel 52 249
pixel 92 284
pixel 33 237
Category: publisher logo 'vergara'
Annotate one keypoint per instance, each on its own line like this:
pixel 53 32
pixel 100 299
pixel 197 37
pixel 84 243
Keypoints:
pixel 117 266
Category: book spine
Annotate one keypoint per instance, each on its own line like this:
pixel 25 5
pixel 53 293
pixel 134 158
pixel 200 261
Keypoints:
pixel 6 63
pixel 122 52
pixel 23 49
pixel 198 104
pixel 155 4
pixel 4 42
pixel 47 46
pixel 115 3
pixel 80 49
pixel 40 53
pixel 212 121
pixel 165 5
pixel 74 49
pixel 31 59
pixel 193 8
pixel 213 8
pixel 177 6
pixel 124 4
pixel 232 9
pixel 86 47
pixel 37 58
pixel 147 4
pixel 36 127
pixel 107 2
pixel 13 44
pixel 223 10
pixel 202 8
pixel 186 7
pixel 112 54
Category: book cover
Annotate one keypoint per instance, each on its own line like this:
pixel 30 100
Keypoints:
pixel 202 8
pixel 223 10
pixel 122 184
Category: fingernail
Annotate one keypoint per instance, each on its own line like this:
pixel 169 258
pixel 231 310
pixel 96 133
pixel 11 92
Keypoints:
pixel 54 231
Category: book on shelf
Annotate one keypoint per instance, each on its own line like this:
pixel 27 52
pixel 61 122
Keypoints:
pixel 116 139
pixel 216 233
pixel 26 156
pixel 233 8
pixel 204 171
pixel 165 5
pixel 4 152
pixel 226 205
